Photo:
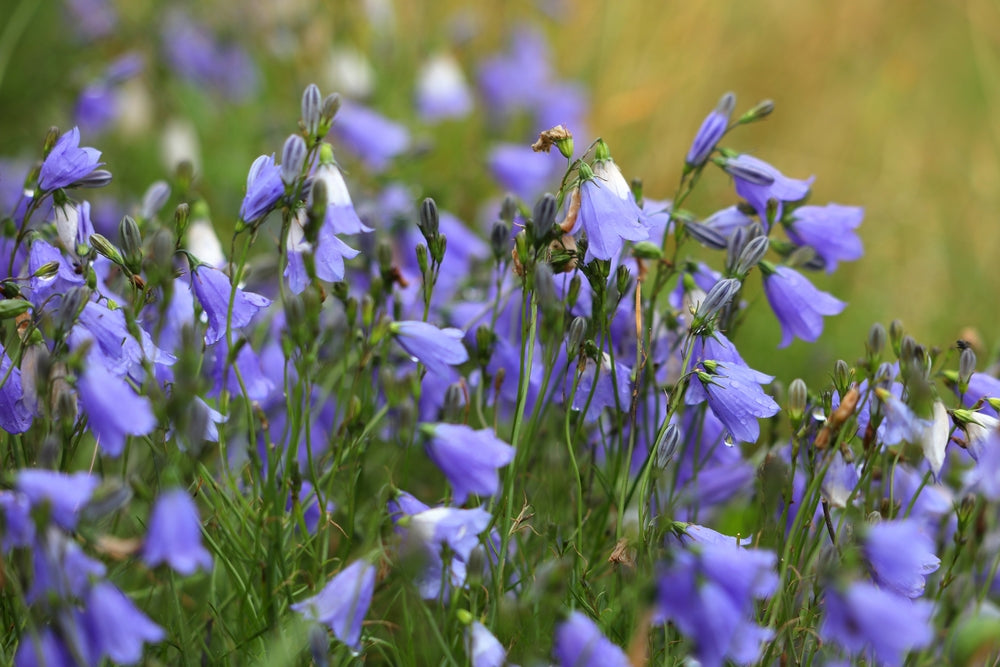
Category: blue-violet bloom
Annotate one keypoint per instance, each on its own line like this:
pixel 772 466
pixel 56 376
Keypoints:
pixel 264 189
pixel 174 534
pixel 343 602
pixel 67 163
pixel 437 349
pixel 797 304
pixel 468 458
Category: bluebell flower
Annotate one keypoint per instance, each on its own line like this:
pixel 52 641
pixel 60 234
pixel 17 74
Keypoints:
pixel 329 254
pixel 18 526
pixel 692 533
pixel 484 649
pixel 115 627
pixel 716 346
pixel 736 398
pixel 901 555
pixel 196 55
pixel 115 348
pixel 797 304
pixel 369 135
pixel 98 104
pixel 522 171
pixel 711 130
pixel 981 385
pixel 899 423
pixel 343 602
pixel 608 213
pixel 173 535
pixel 65 494
pixel 874 623
pixel 728 220
pixel 15 415
pixel 47 649
pixel 596 399
pixel 92 19
pixel 258 386
pixel 67 163
pixel 61 569
pixel 442 91
pixel 757 191
pixel 709 594
pixel 437 349
pixel 213 289
pixel 468 458
pixel 580 643
pixel 984 478
pixel 340 213
pixel 113 409
pixel 829 230
pixel 264 189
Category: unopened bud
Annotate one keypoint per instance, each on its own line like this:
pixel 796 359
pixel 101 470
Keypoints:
pixel 508 209
pixel 761 110
pixel 544 213
pixel 966 367
pixel 751 255
pixel 545 288
pixel 798 395
pixel 647 250
pixel 429 220
pixel 842 376
pixel 154 199
pixel 876 341
pixel 106 248
pixel 666 445
pixel 181 216
pixel 718 297
pixel 293 157
pixel 706 236
pixel 128 231
pixel 331 105
pixel 577 334
pixel 95 179
pixel 499 239
pixel 747 172
pixel 312 110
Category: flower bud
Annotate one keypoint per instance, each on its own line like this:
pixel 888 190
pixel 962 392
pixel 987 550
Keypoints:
pixel 876 341
pixel 751 255
pixel 128 231
pixel 896 332
pixel 706 236
pixel 154 199
pixel 760 111
pixel 293 157
pixel 647 250
pixel 544 285
pixel 666 445
pixel 798 395
pixel 499 239
pixel 747 172
pixel 331 105
pixel 717 298
pixel 104 247
pixel 429 221
pixel 544 213
pixel 181 215
pixel 508 209
pixel 312 110
pixel 966 367
pixel 577 334
pixel 842 376
pixel 95 179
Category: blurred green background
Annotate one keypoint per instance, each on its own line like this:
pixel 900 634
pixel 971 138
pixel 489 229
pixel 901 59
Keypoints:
pixel 892 106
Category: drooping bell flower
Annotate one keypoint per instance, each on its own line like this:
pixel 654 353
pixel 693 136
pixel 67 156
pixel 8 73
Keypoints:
pixel 213 289
pixel 174 534
pixel 580 643
pixel 437 349
pixel 736 398
pixel 115 627
pixel 66 494
pixel 757 182
pixel 898 568
pixel 343 602
pixel 829 230
pixel 468 458
pixel 797 304
pixel 15 415
pixel 874 623
pixel 608 213
pixel 114 411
